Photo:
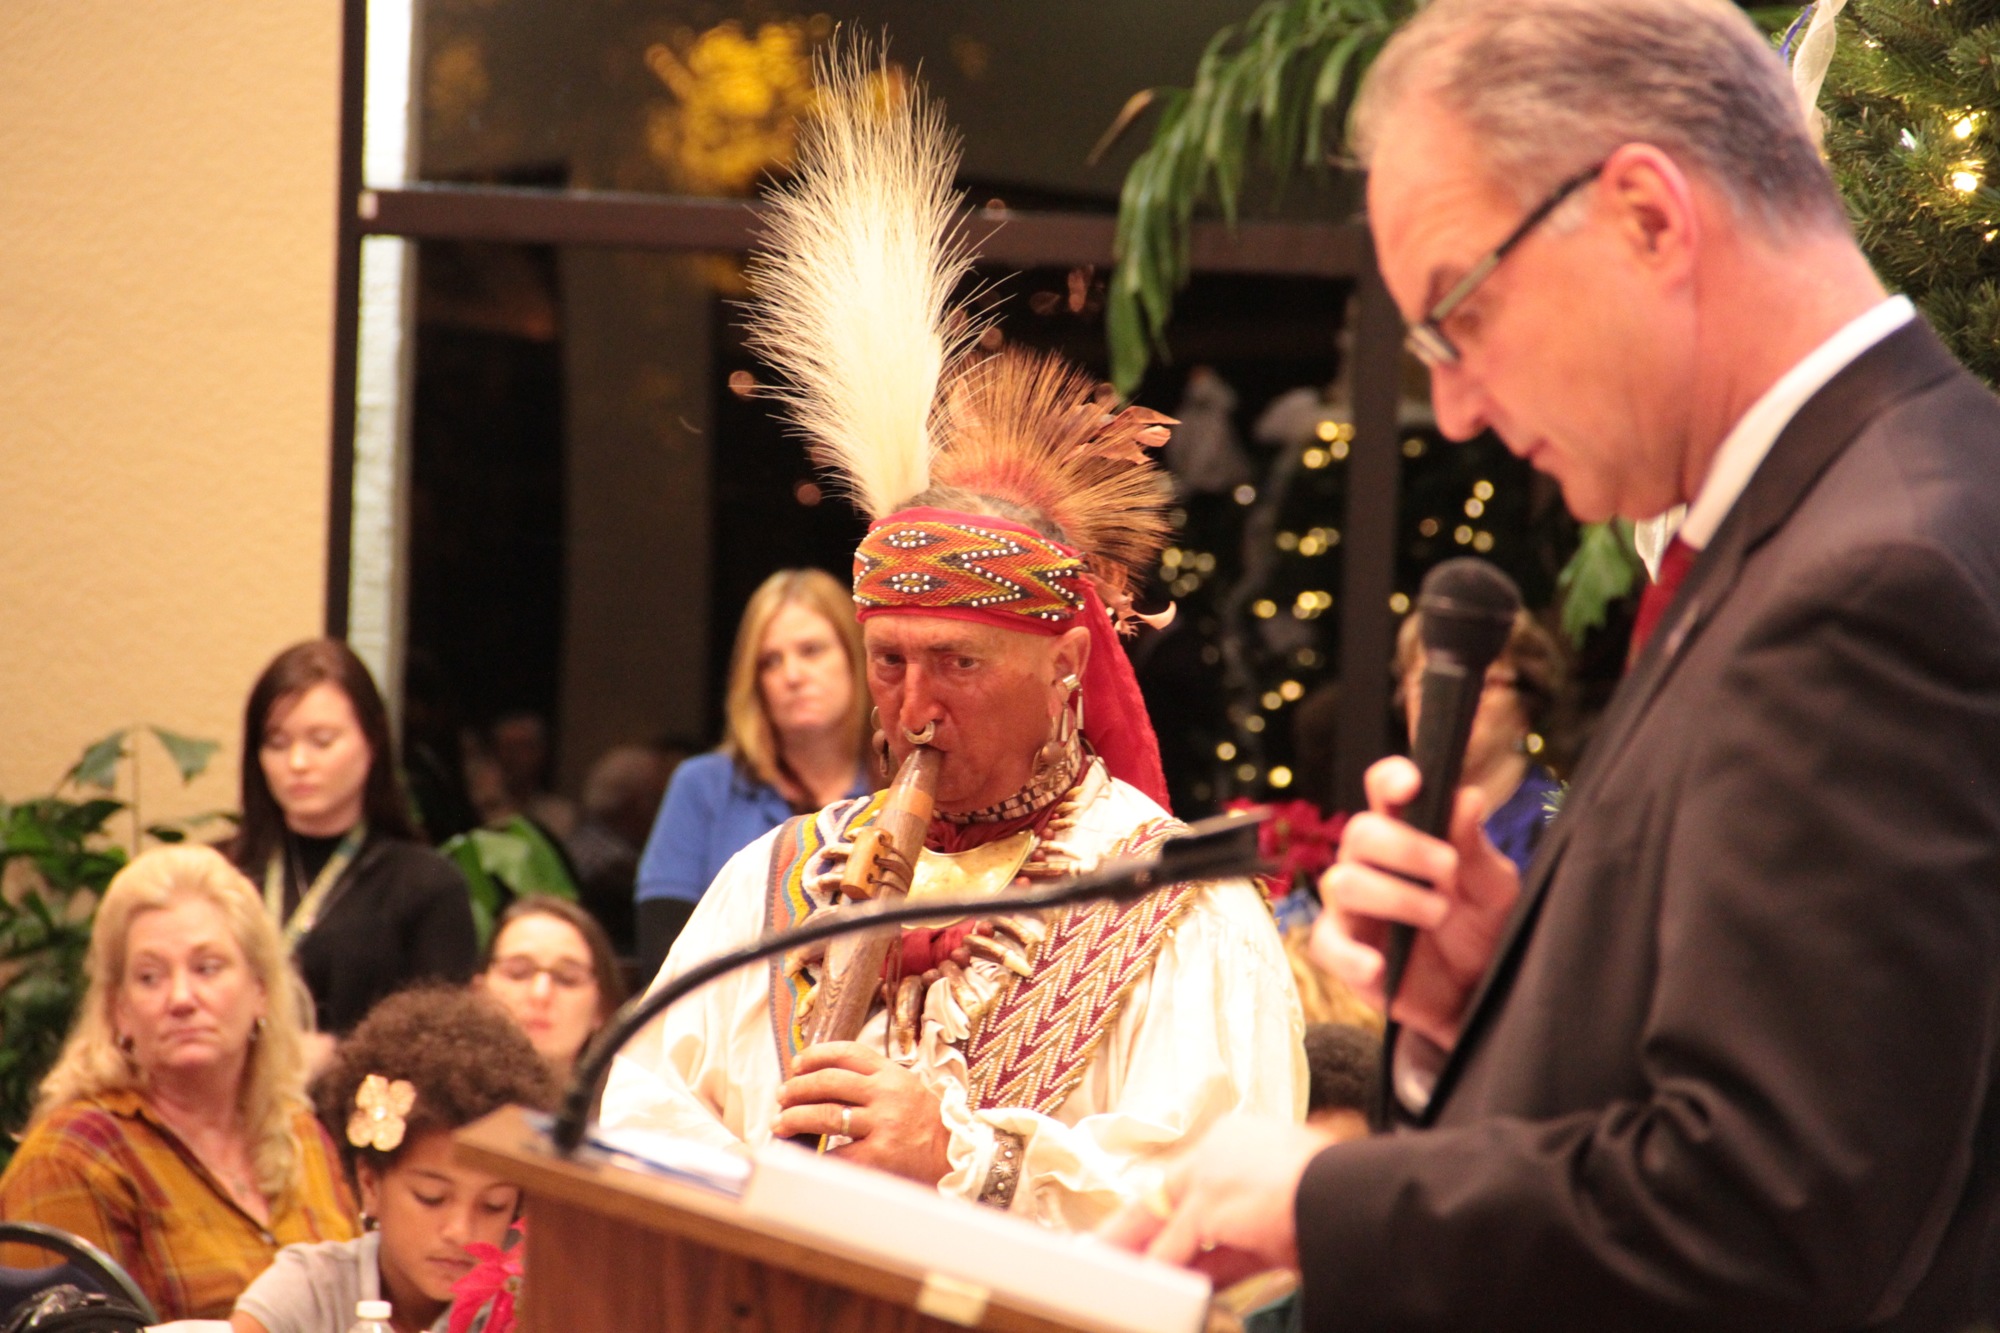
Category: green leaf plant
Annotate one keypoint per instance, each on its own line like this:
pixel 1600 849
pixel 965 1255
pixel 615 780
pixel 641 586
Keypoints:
pixel 1271 92
pixel 57 856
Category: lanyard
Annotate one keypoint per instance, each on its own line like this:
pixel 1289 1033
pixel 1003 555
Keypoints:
pixel 306 914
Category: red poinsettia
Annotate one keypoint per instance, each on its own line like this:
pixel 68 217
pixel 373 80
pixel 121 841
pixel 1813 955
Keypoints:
pixel 483 1300
pixel 1298 837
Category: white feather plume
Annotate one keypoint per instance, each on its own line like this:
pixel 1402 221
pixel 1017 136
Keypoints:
pixel 854 274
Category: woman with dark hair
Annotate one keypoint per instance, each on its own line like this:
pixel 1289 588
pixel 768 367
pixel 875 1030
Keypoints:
pixel 551 967
pixel 423 1064
pixel 366 907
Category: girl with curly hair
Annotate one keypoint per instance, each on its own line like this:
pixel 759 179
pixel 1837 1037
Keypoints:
pixel 422 1064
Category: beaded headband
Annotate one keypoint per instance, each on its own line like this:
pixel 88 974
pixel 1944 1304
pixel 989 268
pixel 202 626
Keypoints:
pixel 928 560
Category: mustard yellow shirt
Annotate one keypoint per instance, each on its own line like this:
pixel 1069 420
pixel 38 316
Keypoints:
pixel 109 1170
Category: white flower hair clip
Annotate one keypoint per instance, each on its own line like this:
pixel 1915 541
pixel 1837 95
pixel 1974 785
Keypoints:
pixel 379 1107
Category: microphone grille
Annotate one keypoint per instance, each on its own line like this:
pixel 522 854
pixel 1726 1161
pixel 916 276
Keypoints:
pixel 1466 610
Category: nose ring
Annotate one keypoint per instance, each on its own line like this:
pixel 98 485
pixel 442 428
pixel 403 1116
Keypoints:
pixel 921 737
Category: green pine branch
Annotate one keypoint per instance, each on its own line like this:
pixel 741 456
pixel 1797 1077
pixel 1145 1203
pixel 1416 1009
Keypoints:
pixel 1912 107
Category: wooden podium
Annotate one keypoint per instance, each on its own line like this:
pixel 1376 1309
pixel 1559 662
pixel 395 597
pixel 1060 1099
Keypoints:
pixel 611 1250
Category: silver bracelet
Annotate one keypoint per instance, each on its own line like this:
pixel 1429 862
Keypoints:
pixel 1005 1176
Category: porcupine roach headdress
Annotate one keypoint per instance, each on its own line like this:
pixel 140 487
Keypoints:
pixel 854 279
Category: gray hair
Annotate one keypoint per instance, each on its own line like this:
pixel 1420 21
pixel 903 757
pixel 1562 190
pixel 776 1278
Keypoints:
pixel 1548 87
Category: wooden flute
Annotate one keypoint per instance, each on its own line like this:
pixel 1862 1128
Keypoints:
pixel 880 866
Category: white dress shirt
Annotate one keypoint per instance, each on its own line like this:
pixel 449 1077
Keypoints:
pixel 1758 429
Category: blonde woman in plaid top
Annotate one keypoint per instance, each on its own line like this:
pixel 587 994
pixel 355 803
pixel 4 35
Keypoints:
pixel 173 1130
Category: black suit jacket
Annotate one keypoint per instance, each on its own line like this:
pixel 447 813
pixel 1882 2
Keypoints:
pixel 1733 1064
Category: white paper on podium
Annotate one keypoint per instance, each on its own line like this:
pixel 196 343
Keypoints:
pixel 660 1154
pixel 1077 1279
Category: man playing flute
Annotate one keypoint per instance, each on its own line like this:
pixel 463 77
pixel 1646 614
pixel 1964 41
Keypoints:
pixel 1041 1065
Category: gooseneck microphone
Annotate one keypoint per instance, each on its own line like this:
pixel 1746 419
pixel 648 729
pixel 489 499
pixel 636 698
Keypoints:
pixel 1465 611
pixel 1218 848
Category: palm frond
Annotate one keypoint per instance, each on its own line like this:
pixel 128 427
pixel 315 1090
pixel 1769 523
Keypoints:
pixel 1273 90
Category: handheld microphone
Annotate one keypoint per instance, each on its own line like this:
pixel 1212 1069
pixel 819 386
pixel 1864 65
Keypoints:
pixel 1465 611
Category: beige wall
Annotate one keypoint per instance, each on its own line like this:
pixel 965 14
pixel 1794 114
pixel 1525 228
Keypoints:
pixel 167 194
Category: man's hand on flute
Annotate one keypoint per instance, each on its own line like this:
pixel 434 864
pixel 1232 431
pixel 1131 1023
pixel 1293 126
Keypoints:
pixel 892 1121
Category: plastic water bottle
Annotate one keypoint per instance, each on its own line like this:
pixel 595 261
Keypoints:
pixel 370 1317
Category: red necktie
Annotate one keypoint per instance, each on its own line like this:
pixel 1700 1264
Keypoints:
pixel 1659 595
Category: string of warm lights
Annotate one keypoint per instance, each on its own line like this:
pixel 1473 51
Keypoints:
pixel 1458 511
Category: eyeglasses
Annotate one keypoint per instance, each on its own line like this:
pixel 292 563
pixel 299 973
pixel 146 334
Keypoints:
pixel 1426 338
pixel 522 971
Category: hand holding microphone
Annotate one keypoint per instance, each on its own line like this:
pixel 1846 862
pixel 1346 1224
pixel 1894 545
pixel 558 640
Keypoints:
pixel 1394 855
pixel 1465 611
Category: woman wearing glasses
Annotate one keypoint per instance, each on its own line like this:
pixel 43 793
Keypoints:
pixel 551 967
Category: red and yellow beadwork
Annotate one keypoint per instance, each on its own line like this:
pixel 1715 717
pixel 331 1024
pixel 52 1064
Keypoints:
pixel 926 560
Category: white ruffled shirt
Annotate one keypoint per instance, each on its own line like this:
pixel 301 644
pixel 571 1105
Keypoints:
pixel 1213 1028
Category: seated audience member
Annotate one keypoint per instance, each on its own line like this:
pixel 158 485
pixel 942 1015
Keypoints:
pixel 172 1131
pixel 365 906
pixel 421 1065
pixel 518 746
pixel 1053 1067
pixel 1522 686
pixel 793 741
pixel 551 968
pixel 621 798
pixel 434 751
pixel 1341 1060
pixel 1323 997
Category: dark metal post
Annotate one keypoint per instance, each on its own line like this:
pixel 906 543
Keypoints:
pixel 346 313
pixel 1368 541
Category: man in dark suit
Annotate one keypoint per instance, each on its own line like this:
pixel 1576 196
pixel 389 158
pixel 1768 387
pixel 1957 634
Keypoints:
pixel 1725 1056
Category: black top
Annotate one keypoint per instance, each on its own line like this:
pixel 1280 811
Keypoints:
pixel 400 914
pixel 313 854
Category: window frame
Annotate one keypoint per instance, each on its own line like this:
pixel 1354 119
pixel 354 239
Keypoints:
pixel 1026 238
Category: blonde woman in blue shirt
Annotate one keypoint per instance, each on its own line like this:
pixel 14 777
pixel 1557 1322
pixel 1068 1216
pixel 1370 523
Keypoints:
pixel 795 739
